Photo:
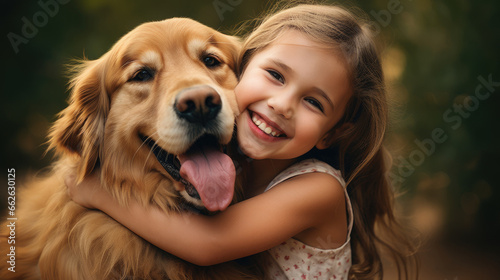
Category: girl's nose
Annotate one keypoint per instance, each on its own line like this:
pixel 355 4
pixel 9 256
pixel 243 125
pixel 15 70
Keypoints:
pixel 282 104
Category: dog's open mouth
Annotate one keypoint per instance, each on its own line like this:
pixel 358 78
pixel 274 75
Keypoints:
pixel 207 173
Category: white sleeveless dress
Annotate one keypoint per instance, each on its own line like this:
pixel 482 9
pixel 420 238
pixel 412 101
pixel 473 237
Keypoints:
pixel 295 260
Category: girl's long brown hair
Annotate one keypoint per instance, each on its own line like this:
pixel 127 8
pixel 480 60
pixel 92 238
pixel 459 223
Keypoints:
pixel 357 151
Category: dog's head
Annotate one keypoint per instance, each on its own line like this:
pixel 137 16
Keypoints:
pixel 164 90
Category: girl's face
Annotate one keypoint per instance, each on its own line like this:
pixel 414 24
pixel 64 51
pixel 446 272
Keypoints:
pixel 290 95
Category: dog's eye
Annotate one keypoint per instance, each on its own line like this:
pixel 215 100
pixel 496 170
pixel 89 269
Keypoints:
pixel 143 75
pixel 211 61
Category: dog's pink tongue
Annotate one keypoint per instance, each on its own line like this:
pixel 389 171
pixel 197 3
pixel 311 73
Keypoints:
pixel 212 173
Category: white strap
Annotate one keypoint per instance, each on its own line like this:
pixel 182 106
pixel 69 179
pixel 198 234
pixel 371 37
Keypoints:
pixel 310 166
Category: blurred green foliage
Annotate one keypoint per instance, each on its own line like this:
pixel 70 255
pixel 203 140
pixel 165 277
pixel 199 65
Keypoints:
pixel 433 52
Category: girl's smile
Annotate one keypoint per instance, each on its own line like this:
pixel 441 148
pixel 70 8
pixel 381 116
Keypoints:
pixel 290 95
pixel 264 128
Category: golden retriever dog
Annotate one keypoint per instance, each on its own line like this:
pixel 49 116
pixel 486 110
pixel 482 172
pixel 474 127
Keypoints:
pixel 149 115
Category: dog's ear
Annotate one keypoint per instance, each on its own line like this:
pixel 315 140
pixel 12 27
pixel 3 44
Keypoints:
pixel 80 127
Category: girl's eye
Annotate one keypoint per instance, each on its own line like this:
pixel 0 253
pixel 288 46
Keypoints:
pixel 277 76
pixel 210 61
pixel 143 75
pixel 315 103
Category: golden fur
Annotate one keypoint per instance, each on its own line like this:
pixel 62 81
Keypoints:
pixel 99 131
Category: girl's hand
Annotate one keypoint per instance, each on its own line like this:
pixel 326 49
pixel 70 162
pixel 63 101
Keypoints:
pixel 87 193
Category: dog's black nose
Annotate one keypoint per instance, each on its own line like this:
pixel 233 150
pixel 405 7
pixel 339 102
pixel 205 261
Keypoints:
pixel 199 104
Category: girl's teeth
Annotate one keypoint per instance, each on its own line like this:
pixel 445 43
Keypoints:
pixel 256 121
pixel 262 126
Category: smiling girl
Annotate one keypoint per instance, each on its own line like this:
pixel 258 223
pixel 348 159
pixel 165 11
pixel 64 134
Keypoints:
pixel 313 116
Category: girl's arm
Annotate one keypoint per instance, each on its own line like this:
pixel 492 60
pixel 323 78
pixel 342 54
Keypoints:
pixel 246 228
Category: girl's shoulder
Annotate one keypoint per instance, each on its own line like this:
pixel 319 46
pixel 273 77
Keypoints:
pixel 305 167
pixel 324 251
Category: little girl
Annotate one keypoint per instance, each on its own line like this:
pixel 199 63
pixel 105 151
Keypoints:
pixel 311 96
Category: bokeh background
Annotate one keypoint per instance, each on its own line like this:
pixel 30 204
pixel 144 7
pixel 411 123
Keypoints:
pixel 441 62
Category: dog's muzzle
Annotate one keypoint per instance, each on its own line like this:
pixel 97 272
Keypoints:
pixel 199 104
pixel 171 164
pixel 207 173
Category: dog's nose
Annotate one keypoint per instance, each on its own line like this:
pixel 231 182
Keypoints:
pixel 198 104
